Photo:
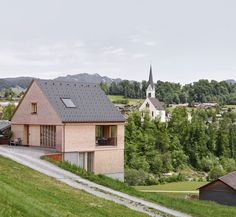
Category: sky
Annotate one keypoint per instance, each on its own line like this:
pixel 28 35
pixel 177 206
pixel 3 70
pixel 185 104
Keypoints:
pixel 184 40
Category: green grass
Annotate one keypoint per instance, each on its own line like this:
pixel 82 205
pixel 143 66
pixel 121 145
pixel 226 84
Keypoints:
pixel 25 192
pixel 230 106
pixel 175 186
pixel 193 207
pixel 115 98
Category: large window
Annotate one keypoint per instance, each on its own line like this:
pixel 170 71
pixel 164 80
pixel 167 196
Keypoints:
pixel 106 135
pixel 48 136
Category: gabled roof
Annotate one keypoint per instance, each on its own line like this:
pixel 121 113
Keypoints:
pixel 156 103
pixel 150 80
pixel 91 103
pixel 4 124
pixel 229 179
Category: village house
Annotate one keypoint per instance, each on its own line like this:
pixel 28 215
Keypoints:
pixel 222 190
pixel 75 119
pixel 152 104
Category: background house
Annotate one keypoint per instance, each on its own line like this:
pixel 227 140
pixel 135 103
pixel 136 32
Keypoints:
pixel 222 190
pixel 5 127
pixel 76 119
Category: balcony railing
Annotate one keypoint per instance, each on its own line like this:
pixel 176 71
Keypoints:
pixel 109 141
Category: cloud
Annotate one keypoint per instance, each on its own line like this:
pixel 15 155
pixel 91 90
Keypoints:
pixel 150 43
pixel 114 51
pixel 135 38
pixel 138 55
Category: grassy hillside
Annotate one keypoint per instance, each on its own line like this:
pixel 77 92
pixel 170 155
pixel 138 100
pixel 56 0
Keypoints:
pixel 194 207
pixel 25 192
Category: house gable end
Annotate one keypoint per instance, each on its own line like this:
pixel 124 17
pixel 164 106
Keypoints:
pixel 45 115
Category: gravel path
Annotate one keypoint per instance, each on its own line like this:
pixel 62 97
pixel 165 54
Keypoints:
pixel 30 157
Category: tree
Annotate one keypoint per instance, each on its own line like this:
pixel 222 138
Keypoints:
pixel 8 111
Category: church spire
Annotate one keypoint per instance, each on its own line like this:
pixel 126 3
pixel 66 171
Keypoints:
pixel 150 92
pixel 150 81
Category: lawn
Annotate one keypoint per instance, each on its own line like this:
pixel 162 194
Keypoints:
pixel 117 98
pixel 25 192
pixel 174 186
pixel 195 208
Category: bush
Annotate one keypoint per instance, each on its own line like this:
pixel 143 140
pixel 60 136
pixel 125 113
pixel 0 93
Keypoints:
pixel 215 173
pixel 135 177
pixel 121 101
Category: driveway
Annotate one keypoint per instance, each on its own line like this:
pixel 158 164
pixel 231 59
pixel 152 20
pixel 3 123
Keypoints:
pixel 30 157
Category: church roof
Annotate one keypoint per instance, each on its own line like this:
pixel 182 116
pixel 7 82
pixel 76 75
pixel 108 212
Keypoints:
pixel 150 80
pixel 156 103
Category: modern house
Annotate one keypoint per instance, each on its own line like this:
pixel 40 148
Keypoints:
pixel 77 120
pixel 222 190
pixel 152 104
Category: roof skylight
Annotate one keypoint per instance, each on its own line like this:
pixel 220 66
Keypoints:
pixel 68 103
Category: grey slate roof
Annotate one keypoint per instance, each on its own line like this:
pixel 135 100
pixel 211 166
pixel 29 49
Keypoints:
pixel 156 103
pixel 229 179
pixel 92 105
pixel 4 124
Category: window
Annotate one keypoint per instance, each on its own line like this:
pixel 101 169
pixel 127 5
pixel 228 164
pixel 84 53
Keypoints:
pixel 149 95
pixel 81 159
pixel 106 135
pixel 147 105
pixel 33 108
pixel 68 103
pixel 152 113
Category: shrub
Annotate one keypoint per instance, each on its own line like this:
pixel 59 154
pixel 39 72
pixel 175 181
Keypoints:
pixel 215 173
pixel 135 177
pixel 121 101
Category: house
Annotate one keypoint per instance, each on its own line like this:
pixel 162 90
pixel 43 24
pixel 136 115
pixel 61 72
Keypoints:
pixel 152 104
pixel 5 126
pixel 77 120
pixel 222 190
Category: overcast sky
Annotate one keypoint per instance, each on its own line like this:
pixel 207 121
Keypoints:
pixel 185 40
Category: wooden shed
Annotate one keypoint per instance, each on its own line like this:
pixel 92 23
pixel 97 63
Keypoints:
pixel 222 190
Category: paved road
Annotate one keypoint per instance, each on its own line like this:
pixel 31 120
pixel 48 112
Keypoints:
pixel 31 157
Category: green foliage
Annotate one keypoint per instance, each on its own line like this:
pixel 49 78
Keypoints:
pixel 168 92
pixel 200 144
pixel 8 111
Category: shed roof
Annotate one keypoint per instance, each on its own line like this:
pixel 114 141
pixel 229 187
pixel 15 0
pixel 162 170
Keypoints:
pixel 229 179
pixel 156 103
pixel 91 103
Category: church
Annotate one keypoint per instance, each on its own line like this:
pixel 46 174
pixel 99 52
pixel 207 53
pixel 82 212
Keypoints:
pixel 152 104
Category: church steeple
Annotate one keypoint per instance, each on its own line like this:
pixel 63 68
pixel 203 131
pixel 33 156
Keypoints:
pixel 150 80
pixel 150 92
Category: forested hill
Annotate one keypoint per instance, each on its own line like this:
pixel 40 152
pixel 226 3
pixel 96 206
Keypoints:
pixel 223 92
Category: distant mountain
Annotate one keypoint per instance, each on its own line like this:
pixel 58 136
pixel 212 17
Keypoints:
pixel 18 83
pixel 231 81
pixel 21 83
pixel 91 78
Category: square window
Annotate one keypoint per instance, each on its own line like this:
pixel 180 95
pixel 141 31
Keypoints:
pixel 68 103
